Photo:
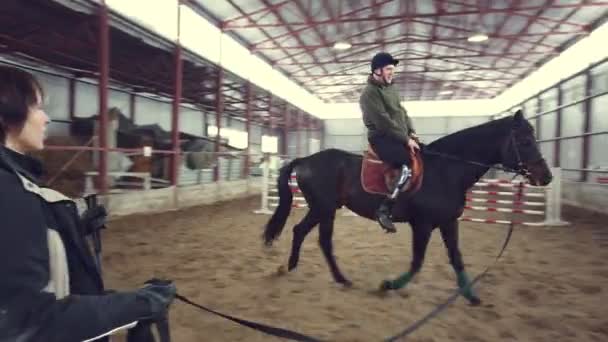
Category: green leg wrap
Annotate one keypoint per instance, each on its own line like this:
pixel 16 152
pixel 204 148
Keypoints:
pixel 465 285
pixel 401 281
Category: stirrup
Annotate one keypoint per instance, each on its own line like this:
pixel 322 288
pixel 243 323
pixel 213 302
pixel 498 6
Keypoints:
pixel 406 174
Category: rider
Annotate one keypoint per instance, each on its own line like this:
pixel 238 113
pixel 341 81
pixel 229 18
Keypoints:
pixel 390 131
pixel 50 287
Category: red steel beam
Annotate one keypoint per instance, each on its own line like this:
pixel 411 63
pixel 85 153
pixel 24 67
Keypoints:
pixel 434 24
pixel 337 21
pixel 219 98
pixel 297 130
pixel 72 98
pixel 450 46
pixel 414 81
pixel 430 40
pixel 177 95
pixel 515 4
pixel 568 16
pixel 308 122
pixel 249 95
pixel 295 35
pixel 417 15
pixel 62 60
pixel 270 116
pixel 439 4
pixel 315 28
pixel 247 16
pixel 498 30
pixel 524 29
pixel 104 70
pixel 411 72
pixel 588 110
pixel 428 57
pixel 409 90
pixel 285 130
pixel 264 32
pixel 132 107
pixel 362 32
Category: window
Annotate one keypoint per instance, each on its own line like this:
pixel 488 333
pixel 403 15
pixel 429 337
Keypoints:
pixel 270 144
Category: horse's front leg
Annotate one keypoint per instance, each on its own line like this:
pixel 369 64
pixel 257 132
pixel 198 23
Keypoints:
pixel 449 234
pixel 421 235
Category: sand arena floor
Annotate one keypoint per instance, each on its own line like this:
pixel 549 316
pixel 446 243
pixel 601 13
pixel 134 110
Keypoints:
pixel 551 284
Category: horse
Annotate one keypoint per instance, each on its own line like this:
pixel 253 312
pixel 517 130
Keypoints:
pixel 330 179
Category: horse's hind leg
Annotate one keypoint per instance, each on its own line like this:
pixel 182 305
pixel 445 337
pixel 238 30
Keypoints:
pixel 449 234
pixel 421 235
pixel 326 230
pixel 299 234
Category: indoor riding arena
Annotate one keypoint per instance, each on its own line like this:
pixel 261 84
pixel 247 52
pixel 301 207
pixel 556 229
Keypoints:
pixel 195 121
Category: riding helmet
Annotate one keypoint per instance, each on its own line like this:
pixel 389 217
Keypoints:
pixel 383 59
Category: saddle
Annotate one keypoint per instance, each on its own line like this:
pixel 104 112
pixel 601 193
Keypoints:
pixel 377 177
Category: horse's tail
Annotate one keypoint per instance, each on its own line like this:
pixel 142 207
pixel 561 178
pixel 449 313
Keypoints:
pixel 275 225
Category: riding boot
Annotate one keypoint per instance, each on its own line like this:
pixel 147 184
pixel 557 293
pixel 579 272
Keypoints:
pixel 383 213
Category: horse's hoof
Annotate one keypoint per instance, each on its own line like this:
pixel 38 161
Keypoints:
pixel 281 270
pixel 475 301
pixel 386 285
pixel 346 283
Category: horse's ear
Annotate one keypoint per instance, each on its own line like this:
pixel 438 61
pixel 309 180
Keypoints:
pixel 518 118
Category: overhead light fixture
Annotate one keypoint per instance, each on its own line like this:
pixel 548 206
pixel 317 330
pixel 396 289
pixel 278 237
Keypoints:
pixel 342 45
pixel 478 38
pixel 446 92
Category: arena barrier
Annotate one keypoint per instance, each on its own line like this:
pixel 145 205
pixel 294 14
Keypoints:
pixel 487 195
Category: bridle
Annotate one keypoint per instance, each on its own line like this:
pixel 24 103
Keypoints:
pixel 520 167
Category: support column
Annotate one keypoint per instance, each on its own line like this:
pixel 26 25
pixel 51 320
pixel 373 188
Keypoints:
pixel 271 121
pixel 177 96
pixel 104 70
pixel 322 133
pixel 558 126
pixel 308 133
pixel 248 105
pixel 132 107
pixel 588 108
pixel 285 131
pixel 297 130
pixel 72 98
pixel 219 109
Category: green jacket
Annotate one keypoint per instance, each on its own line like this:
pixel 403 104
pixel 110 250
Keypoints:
pixel 383 113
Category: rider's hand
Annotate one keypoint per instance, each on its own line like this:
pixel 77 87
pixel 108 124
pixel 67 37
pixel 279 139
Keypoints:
pixel 159 294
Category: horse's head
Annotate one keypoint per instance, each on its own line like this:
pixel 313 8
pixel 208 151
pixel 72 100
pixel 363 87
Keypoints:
pixel 520 152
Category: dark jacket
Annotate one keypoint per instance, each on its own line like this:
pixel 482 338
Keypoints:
pixel 36 303
pixel 27 212
pixel 383 113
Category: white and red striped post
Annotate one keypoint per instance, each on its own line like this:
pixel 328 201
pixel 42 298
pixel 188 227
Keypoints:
pixel 551 195
pixel 265 186
pixel 553 200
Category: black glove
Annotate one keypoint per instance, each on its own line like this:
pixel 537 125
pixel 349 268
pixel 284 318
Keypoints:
pixel 159 294
pixel 94 219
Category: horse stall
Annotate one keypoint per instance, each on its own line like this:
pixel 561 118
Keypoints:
pixel 183 139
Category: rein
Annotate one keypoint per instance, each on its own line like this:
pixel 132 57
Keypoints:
pixel 521 169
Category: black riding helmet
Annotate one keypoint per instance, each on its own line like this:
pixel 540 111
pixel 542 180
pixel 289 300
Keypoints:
pixel 383 59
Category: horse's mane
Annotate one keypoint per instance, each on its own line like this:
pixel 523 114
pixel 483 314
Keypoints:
pixel 458 140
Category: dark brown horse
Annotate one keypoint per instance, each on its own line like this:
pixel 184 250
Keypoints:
pixel 330 179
